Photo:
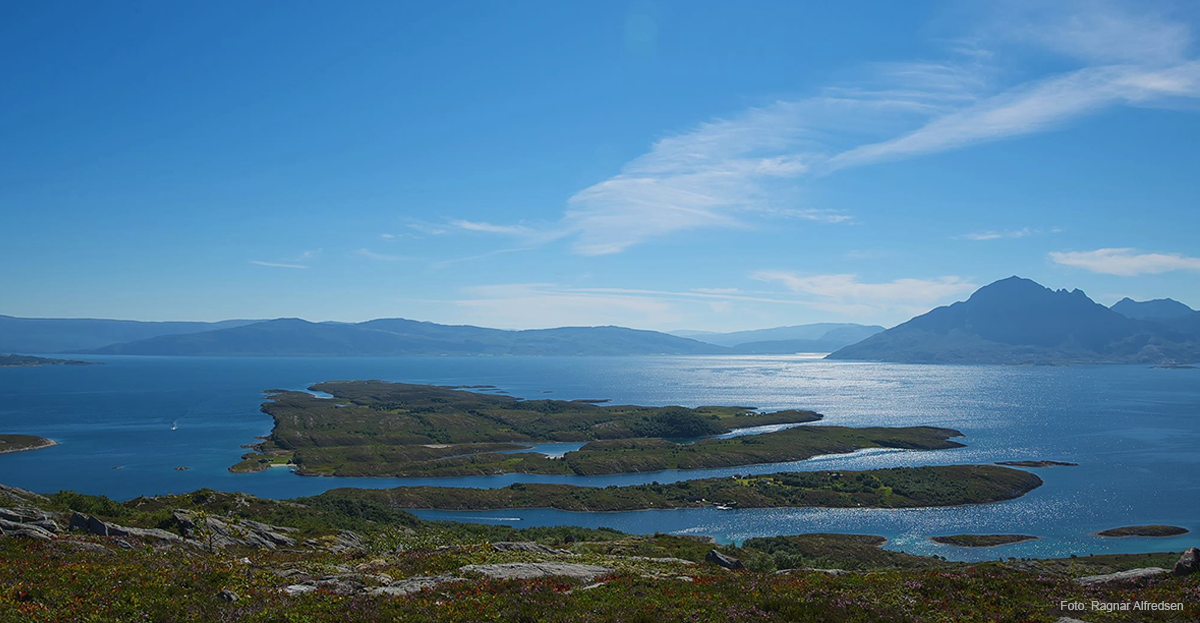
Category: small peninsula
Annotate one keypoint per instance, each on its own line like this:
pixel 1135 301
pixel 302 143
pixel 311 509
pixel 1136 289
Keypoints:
pixel 1037 463
pixel 29 361
pixel 1150 531
pixel 21 443
pixel 981 540
pixel 374 428
pixel 899 487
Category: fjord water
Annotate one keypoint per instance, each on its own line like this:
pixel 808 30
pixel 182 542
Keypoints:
pixel 1134 430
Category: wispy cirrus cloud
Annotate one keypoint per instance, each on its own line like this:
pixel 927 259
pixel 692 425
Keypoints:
pixel 293 263
pixel 1126 262
pixel 1024 232
pixel 278 264
pixel 384 257
pixel 738 170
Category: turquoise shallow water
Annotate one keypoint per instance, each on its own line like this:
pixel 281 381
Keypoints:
pixel 1134 430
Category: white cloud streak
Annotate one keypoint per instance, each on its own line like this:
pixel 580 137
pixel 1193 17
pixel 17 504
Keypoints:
pixel 848 287
pixel 1126 262
pixel 278 264
pixel 383 257
pixel 1024 232
pixel 733 172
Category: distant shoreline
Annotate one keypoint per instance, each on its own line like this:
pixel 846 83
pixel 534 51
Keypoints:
pixel 36 445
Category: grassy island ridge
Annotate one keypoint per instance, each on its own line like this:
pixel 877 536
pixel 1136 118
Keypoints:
pixel 374 428
pixel 29 361
pixel 899 487
pixel 1148 531
pixel 21 443
pixel 981 540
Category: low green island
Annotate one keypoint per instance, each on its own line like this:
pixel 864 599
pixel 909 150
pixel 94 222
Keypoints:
pixel 29 361
pixel 981 540
pixel 1149 531
pixel 1042 463
pixel 376 428
pixel 900 487
pixel 21 443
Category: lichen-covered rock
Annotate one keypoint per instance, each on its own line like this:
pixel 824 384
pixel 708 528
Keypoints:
pixel 32 516
pixel 412 585
pixel 834 572
pixel 99 527
pixel 531 570
pixel 220 533
pixel 28 531
pixel 1132 575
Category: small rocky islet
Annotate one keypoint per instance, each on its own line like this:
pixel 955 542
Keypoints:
pixel 981 540
pixel 1156 531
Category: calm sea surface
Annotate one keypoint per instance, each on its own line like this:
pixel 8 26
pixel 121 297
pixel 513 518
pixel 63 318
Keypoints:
pixel 1134 430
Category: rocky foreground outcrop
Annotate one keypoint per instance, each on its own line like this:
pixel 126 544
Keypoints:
pixel 1189 562
pixel 25 519
pixel 1121 577
pixel 28 522
pixel 224 532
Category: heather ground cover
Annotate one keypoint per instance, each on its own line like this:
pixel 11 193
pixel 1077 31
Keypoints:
pixel 76 576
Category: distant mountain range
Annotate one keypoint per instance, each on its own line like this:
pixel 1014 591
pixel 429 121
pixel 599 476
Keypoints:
pixel 75 335
pixel 400 337
pixel 1012 321
pixel 1016 320
pixel 807 338
pixel 1157 309
pixel 394 337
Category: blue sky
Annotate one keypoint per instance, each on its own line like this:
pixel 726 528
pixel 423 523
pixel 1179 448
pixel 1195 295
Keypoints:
pixel 650 164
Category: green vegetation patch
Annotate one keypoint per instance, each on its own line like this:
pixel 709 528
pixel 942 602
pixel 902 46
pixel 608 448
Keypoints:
pixel 26 361
pixel 20 443
pixel 374 428
pixel 1151 531
pixel 981 540
pixel 898 487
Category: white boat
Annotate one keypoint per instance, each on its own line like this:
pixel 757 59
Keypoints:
pixel 174 425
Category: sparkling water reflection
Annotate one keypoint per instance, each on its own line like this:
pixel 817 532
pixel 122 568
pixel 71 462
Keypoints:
pixel 1134 430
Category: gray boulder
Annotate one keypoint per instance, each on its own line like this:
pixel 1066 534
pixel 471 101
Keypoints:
pixel 220 533
pixel 98 527
pixel 299 589
pixel 28 531
pixel 532 570
pixel 145 533
pixel 95 526
pixel 1130 576
pixel 29 515
pixel 1189 562
pixel 412 585
pixel 721 560
pixel 834 572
